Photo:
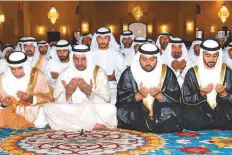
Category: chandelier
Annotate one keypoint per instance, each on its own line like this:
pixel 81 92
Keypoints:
pixel 137 12
pixel 53 15
pixel 223 13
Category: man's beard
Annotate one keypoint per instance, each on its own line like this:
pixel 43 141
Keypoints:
pixel 103 45
pixel 43 52
pixel 127 45
pixel 196 52
pixel 176 55
pixel 63 58
pixel 164 45
pixel 29 53
pixel 148 68
pixel 80 67
pixel 210 64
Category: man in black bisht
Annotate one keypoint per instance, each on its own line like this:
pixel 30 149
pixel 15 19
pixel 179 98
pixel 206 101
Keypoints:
pixel 207 91
pixel 149 95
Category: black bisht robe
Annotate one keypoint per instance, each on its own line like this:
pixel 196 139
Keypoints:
pixel 167 115
pixel 198 114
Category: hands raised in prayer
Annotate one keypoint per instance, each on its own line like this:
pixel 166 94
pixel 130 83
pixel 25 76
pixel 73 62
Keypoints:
pixel 179 65
pixel 84 87
pixel 112 76
pixel 221 90
pixel 142 93
pixel 70 87
pixel 54 75
pixel 25 97
pixel 182 65
pixel 77 82
pixel 156 93
pixel 5 101
pixel 175 65
pixel 206 90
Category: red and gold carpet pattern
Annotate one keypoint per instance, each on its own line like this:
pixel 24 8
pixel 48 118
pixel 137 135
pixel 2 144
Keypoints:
pixel 118 141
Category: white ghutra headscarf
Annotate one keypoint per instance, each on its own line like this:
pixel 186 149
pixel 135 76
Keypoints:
pixel 103 31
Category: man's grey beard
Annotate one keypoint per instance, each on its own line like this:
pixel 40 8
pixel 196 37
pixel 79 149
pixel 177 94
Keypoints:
pixel 163 46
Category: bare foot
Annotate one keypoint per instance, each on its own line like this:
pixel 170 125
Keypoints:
pixel 99 126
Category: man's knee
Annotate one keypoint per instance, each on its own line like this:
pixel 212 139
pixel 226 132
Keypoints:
pixel 111 109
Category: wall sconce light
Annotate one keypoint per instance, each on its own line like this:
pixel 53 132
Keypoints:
pixel 85 27
pixel 53 15
pixel 112 28
pixel 41 30
pixel 223 13
pixel 63 30
pixel 125 27
pixel 150 28
pixel 189 26
pixel 2 18
pixel 212 29
pixel 164 28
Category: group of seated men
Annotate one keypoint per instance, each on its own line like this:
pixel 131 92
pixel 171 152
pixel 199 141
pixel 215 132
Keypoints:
pixel 138 85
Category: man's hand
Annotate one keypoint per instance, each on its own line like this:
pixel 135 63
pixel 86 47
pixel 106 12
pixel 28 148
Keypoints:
pixel 54 75
pixel 221 90
pixel 70 88
pixel 112 76
pixel 142 93
pixel 84 87
pixel 6 101
pixel 25 97
pixel 206 90
pixel 175 65
pixel 154 91
pixel 182 65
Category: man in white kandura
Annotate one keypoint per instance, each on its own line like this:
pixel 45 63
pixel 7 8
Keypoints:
pixel 58 62
pixel 86 39
pixel 162 41
pixel 7 50
pixel 227 55
pixel 30 47
pixel 126 41
pixel 194 51
pixel 44 49
pixel 23 91
pixel 82 96
pixel 106 54
pixel 138 41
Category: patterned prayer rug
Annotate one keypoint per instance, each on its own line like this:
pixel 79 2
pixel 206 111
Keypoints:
pixel 118 141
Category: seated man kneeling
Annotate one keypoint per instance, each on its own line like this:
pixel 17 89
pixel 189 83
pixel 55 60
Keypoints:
pixel 149 94
pixel 23 91
pixel 207 91
pixel 83 94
